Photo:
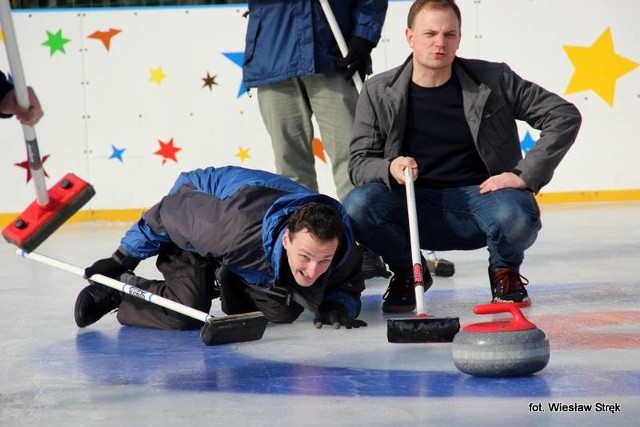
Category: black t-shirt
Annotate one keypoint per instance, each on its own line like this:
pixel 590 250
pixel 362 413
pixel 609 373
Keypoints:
pixel 438 137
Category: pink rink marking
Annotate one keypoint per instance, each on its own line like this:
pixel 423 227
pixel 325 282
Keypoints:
pixel 579 330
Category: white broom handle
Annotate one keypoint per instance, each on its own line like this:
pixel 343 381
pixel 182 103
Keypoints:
pixel 414 237
pixel 22 96
pixel 120 286
pixel 337 34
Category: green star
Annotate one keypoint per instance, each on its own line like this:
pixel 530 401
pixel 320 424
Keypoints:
pixel 55 42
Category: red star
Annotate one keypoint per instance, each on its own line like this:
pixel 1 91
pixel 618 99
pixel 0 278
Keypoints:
pixel 168 151
pixel 318 149
pixel 25 164
pixel 104 36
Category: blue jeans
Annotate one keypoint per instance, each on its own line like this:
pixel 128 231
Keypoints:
pixel 505 221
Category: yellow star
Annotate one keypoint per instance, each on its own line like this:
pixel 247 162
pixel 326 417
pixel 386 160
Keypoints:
pixel 243 154
pixel 1 35
pixel 157 75
pixel 597 67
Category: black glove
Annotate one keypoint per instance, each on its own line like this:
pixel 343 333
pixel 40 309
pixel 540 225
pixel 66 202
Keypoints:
pixel 358 58
pixel 336 315
pixel 107 267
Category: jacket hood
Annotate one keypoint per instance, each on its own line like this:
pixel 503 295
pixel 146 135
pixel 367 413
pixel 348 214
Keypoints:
pixel 275 222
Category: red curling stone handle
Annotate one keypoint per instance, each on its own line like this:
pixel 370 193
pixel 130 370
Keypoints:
pixel 517 321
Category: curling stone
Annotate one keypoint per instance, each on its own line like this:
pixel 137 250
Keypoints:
pixel 507 348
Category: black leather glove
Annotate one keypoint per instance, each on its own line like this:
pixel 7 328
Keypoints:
pixel 358 58
pixel 107 267
pixel 112 267
pixel 336 315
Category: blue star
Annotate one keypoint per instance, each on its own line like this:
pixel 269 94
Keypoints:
pixel 527 142
pixel 237 58
pixel 117 153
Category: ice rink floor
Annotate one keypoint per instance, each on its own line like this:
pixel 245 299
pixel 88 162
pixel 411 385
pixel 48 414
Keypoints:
pixel 584 272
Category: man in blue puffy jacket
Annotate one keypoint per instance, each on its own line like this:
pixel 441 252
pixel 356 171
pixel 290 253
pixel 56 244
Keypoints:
pixel 258 240
pixel 292 58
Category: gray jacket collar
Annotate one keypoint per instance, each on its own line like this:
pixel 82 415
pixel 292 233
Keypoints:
pixel 474 93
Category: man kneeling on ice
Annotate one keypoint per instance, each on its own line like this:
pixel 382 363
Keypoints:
pixel 257 240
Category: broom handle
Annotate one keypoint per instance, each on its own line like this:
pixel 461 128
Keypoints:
pixel 22 96
pixel 337 34
pixel 120 286
pixel 414 237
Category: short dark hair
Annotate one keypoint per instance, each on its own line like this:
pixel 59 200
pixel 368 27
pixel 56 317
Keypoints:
pixel 320 219
pixel 418 5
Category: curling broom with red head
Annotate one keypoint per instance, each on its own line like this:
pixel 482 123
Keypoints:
pixel 53 207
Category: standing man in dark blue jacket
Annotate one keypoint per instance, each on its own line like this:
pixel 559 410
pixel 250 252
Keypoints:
pixel 293 59
pixel 258 240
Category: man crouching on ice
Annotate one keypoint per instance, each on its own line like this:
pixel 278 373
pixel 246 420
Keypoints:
pixel 257 240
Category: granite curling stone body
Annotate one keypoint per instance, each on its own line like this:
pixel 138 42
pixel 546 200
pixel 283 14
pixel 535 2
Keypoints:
pixel 509 348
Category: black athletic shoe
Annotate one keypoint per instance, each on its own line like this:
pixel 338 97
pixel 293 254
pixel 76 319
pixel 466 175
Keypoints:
pixel 441 267
pixel 373 265
pixel 507 286
pixel 400 296
pixel 93 302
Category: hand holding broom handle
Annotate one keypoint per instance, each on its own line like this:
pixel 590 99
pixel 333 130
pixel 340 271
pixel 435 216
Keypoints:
pixel 337 34
pixel 22 97
pixel 54 206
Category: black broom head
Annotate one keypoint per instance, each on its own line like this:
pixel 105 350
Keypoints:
pixel 422 329
pixel 234 328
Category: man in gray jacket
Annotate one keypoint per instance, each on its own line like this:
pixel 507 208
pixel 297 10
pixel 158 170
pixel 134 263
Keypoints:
pixel 452 121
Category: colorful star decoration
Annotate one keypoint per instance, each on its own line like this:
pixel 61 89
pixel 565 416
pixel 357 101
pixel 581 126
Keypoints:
pixel 55 42
pixel 597 67
pixel 209 81
pixel 318 149
pixel 156 75
pixel 237 58
pixel 167 151
pixel 117 153
pixel 243 154
pixel 527 142
pixel 104 36
pixel 25 165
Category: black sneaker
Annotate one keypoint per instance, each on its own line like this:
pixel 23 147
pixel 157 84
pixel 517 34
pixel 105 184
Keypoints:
pixel 373 265
pixel 400 296
pixel 440 267
pixel 93 302
pixel 507 286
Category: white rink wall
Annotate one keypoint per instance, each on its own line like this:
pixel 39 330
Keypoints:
pixel 109 111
